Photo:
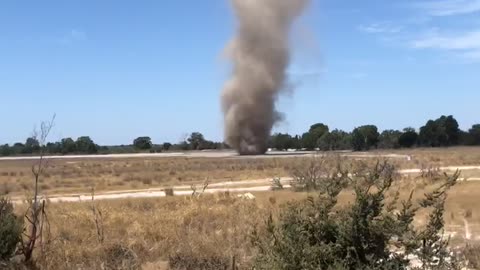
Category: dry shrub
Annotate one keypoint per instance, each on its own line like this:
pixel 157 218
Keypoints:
pixel 120 257
pixel 431 174
pixel 468 213
pixel 147 181
pixel 312 174
pixel 472 256
pixel 169 192
pixel 197 261
pixel 5 189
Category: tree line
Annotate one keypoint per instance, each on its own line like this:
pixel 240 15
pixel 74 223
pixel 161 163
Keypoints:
pixel 441 132
pixel 195 141
pixel 85 145
pixel 82 145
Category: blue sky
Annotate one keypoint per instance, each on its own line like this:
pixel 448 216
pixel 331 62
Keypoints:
pixel 116 70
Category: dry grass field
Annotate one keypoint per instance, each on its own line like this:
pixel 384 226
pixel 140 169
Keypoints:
pixel 137 173
pixel 148 233
pixel 187 231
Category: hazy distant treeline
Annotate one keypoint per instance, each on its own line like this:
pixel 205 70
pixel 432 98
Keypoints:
pixel 443 131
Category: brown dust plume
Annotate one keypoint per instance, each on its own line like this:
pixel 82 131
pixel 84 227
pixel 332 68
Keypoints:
pixel 260 56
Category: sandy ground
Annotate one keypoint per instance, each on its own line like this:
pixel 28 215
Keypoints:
pixel 255 185
pixel 210 154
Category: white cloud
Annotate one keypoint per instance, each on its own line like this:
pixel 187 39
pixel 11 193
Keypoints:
pixel 465 41
pixel 450 7
pixel 466 44
pixel 382 27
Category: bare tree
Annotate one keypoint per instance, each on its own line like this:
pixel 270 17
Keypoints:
pixel 36 215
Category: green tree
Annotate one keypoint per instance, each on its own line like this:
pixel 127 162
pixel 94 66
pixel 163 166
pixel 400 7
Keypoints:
pixel 18 148
pixel 86 145
pixel 408 138
pixel 341 140
pixel 281 141
pixel 166 146
pixel 143 143
pixel 365 137
pixel 475 134
pixel 309 141
pixel 452 129
pixel 196 140
pixel 53 148
pixel 68 146
pixel 206 144
pixel 310 138
pixel 335 140
pixel 297 142
pixel 326 143
pixel 443 131
pixel 5 150
pixel 389 139
pixel 431 134
pixel 31 146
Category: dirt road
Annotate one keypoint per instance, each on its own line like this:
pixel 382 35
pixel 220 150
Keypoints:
pixel 257 185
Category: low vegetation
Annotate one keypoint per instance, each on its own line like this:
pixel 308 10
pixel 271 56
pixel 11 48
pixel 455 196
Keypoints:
pixel 135 173
pixel 350 219
pixel 369 233
pixel 10 230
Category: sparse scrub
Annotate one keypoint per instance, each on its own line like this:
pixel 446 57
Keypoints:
pixel 169 192
pixel 213 230
pixel 5 189
pixel 120 257
pixel 315 173
pixel 369 233
pixel 471 255
pixel 431 173
pixel 277 184
pixel 176 170
pixel 10 230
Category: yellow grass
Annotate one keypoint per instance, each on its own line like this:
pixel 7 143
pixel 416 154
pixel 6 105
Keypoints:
pixel 147 232
pixel 136 173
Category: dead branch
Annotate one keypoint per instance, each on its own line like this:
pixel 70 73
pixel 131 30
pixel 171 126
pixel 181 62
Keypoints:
pixel 98 218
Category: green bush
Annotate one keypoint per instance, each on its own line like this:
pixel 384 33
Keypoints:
pixel 369 233
pixel 10 230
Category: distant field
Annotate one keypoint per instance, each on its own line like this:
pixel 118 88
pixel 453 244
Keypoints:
pixel 81 174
